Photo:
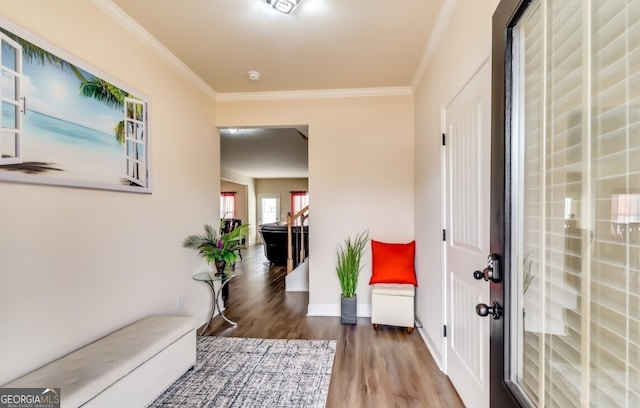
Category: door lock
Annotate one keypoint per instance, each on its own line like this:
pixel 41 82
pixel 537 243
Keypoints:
pixel 484 310
pixel 492 271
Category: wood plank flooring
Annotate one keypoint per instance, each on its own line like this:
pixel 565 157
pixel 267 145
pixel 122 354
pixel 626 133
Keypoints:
pixel 384 368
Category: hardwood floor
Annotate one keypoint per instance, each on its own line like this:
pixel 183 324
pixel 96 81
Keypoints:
pixel 384 368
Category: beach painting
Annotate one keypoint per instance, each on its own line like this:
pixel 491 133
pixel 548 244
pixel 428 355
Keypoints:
pixel 63 123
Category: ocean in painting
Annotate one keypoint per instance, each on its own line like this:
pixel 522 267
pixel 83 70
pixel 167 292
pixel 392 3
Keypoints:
pixel 76 152
pixel 67 133
pixel 60 132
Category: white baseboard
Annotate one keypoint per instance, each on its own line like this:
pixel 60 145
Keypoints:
pixel 201 318
pixel 327 309
pixel 364 310
pixel 333 309
pixel 428 341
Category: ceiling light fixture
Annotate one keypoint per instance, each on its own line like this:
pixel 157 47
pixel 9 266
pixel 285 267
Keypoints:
pixel 253 75
pixel 233 131
pixel 284 6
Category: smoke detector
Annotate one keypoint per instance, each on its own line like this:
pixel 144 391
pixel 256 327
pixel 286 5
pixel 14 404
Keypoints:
pixel 253 75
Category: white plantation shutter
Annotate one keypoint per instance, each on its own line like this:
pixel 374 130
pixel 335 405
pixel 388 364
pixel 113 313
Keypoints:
pixel 577 182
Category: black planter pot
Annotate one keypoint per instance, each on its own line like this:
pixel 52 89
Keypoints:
pixel 220 265
pixel 348 310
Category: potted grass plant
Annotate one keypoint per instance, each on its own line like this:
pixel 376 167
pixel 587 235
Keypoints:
pixel 348 269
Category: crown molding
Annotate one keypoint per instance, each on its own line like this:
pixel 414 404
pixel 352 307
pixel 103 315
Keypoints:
pixel 122 18
pixel 442 21
pixel 314 94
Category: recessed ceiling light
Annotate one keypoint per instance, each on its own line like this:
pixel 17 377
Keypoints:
pixel 233 131
pixel 284 6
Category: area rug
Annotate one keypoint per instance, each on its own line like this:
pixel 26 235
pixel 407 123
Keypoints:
pixel 239 372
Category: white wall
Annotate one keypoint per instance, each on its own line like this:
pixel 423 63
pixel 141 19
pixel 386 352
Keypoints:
pixel 238 178
pixel 360 176
pixel 464 44
pixel 283 187
pixel 241 197
pixel 76 264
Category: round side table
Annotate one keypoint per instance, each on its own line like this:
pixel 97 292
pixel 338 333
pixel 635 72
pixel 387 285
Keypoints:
pixel 210 278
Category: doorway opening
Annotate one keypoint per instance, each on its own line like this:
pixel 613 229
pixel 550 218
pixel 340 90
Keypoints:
pixel 272 163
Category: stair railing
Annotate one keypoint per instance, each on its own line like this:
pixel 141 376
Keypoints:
pixel 302 216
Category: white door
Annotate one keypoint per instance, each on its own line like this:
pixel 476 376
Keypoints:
pixel 467 159
pixel 268 208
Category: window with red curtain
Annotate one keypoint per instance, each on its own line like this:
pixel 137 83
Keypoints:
pixel 299 200
pixel 228 204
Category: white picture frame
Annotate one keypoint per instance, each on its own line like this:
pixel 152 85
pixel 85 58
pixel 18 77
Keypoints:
pixel 65 123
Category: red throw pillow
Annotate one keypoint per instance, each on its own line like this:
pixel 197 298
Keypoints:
pixel 393 263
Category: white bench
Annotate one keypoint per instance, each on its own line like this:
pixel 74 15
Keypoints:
pixel 127 368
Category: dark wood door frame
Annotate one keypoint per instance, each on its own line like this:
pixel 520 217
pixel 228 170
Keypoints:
pixel 504 394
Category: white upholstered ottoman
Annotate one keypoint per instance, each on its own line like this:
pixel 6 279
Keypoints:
pixel 392 304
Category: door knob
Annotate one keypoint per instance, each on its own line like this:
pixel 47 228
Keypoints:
pixel 492 271
pixel 495 310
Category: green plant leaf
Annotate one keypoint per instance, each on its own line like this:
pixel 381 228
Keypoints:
pixel 349 265
pixel 213 247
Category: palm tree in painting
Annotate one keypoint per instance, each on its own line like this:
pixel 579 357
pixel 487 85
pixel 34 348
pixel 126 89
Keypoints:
pixel 114 97
pixel 110 95
pixel 92 87
pixel 89 87
pixel 34 54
